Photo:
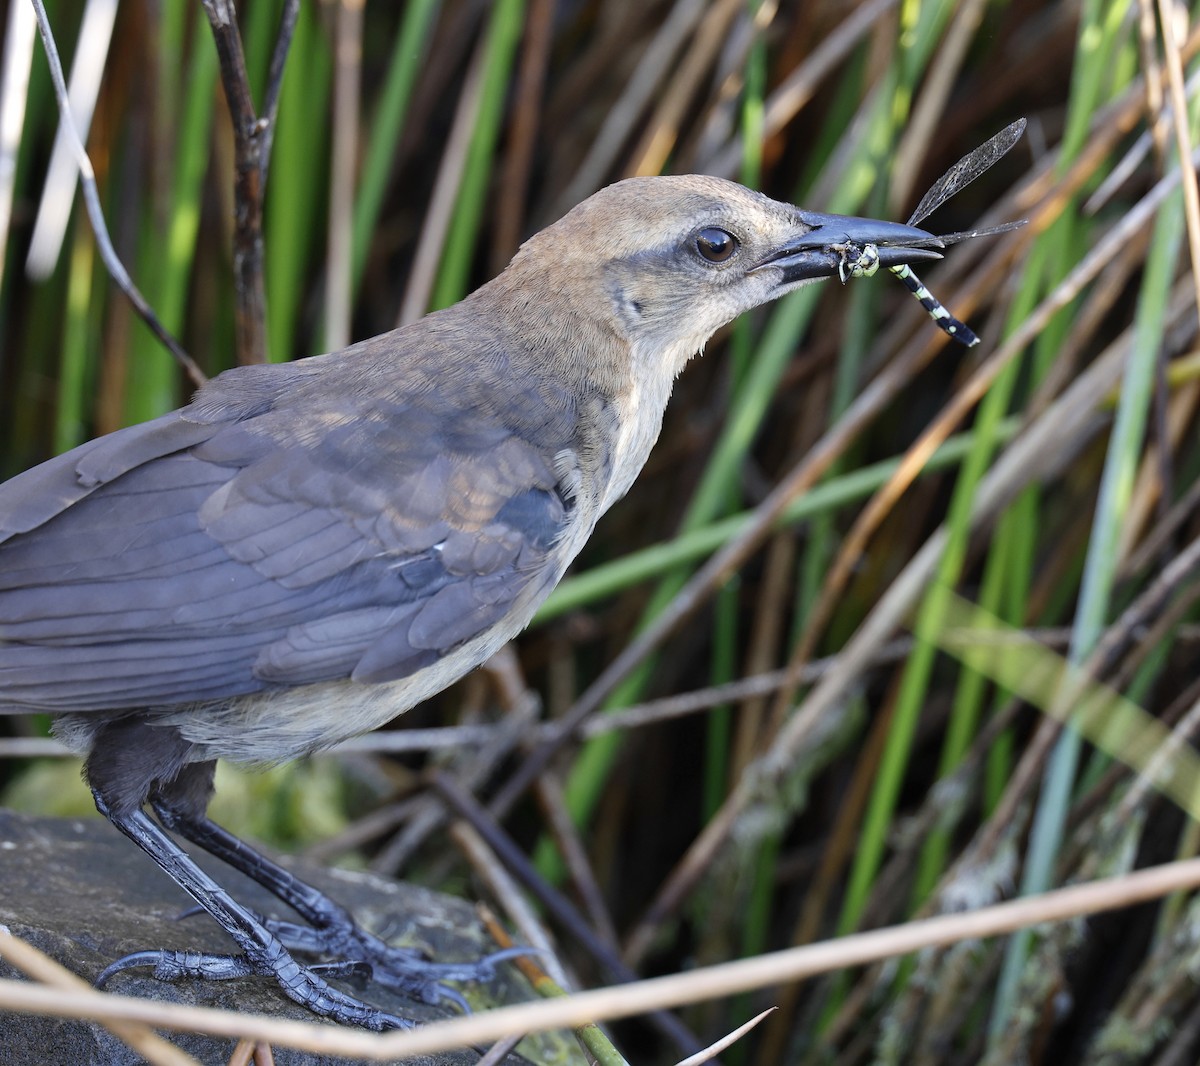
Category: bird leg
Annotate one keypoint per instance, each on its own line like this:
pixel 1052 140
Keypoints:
pixel 262 951
pixel 333 931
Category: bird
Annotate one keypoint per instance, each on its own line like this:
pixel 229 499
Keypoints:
pixel 308 549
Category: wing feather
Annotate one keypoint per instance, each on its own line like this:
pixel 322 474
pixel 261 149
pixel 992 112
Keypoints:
pixel 273 533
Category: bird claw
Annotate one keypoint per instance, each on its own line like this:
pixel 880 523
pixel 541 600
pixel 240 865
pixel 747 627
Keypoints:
pixel 176 965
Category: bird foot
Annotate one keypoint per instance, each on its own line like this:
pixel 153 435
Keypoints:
pixel 307 985
pixel 407 972
pixel 329 929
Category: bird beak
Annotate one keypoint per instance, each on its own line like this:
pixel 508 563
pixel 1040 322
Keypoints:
pixel 819 252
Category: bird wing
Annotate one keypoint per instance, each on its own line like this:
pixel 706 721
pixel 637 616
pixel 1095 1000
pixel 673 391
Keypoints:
pixel 235 547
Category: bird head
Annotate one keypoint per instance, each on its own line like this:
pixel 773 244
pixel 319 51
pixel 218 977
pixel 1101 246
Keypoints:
pixel 670 260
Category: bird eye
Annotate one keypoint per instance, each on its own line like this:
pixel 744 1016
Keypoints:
pixel 716 245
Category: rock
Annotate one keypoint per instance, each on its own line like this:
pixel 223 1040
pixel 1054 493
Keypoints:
pixel 79 891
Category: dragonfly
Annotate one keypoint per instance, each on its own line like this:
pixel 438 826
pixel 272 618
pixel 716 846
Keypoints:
pixel 862 260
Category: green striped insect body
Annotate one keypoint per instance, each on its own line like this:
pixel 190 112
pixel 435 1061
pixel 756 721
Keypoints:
pixel 862 261
pixel 945 320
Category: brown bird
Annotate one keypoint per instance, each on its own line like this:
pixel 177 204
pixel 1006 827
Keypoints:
pixel 307 550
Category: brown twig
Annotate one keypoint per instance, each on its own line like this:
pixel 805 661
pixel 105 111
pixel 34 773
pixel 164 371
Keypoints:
pixel 567 841
pixel 243 1053
pixel 252 141
pixel 270 102
pixel 727 1041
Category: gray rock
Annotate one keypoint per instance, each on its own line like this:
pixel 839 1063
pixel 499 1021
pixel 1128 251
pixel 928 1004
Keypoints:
pixel 80 892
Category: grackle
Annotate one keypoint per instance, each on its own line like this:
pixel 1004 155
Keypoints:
pixel 307 550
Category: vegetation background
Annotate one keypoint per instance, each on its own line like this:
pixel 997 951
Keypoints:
pixel 1049 475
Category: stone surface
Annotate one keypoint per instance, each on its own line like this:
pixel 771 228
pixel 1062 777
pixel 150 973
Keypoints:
pixel 80 892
